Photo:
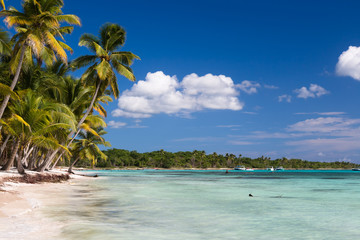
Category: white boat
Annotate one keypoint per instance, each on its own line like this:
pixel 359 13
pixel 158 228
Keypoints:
pixel 249 169
pixel 356 169
pixel 270 169
pixel 279 169
pixel 242 168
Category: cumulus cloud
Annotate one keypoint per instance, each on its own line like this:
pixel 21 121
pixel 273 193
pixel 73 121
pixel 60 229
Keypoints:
pixel 322 113
pixel 248 86
pixel 160 93
pixel 313 91
pixel 271 87
pixel 324 125
pixel 114 124
pixel 285 97
pixel 349 63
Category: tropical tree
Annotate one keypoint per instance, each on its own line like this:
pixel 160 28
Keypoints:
pixel 86 147
pixel 34 123
pixel 37 27
pixel 106 61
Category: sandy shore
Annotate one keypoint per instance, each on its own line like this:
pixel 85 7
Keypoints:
pixel 23 206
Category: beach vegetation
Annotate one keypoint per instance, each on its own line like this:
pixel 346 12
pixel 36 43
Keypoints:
pixel 47 115
pixel 120 158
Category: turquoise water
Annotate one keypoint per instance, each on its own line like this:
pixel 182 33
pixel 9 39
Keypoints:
pixel 175 205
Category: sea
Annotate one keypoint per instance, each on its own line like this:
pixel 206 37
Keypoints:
pixel 194 205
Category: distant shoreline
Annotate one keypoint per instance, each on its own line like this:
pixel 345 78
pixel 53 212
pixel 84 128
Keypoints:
pixel 198 169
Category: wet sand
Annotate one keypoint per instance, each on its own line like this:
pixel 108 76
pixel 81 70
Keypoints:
pixel 23 208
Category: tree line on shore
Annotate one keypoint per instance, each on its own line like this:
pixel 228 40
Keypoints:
pixel 46 114
pixel 120 158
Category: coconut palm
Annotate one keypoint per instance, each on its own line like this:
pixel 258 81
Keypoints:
pixel 37 28
pixel 106 61
pixel 34 123
pixel 86 147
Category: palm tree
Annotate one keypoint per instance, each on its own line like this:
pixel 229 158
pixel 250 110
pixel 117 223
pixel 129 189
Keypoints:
pixel 37 28
pixel 105 62
pixel 86 147
pixel 35 122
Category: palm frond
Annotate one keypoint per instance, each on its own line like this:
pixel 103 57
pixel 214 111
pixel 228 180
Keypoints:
pixel 83 61
pixel 88 40
pixel 126 58
pixel 69 18
pixel 6 90
pixel 124 70
pixel 104 70
pixel 50 39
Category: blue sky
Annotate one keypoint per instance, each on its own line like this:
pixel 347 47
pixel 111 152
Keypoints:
pixel 244 77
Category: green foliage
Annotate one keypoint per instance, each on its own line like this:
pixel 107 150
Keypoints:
pixel 199 159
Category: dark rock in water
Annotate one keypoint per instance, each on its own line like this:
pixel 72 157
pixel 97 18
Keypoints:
pixel 250 195
pixel 95 175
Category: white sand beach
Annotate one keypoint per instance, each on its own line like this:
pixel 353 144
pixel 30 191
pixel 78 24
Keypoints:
pixel 22 207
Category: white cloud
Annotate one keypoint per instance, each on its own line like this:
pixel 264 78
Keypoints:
pixel 284 97
pixel 313 91
pixel 324 125
pixel 349 63
pixel 320 154
pixel 241 143
pixel 270 87
pixel 248 86
pixel 114 124
pixel 321 113
pixel 160 93
pixel 228 126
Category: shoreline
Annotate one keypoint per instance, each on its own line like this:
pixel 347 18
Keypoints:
pixel 24 200
pixel 196 169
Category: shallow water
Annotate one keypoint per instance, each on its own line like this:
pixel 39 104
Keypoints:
pixel 155 204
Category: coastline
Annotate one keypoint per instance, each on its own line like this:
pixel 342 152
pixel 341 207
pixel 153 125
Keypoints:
pixel 196 169
pixel 24 199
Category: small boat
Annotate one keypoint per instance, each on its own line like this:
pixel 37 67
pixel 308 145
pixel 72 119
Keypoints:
pixel 249 169
pixel 356 169
pixel 270 169
pixel 242 168
pixel 279 169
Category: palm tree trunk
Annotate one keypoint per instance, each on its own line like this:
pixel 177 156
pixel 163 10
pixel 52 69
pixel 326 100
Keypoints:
pixel 26 155
pixel 47 161
pixel 72 165
pixel 14 82
pixel 82 120
pixel 9 163
pixel 33 159
pixel 4 144
pixel 19 166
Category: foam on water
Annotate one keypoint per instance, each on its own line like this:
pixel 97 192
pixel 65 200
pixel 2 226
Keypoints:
pixel 213 205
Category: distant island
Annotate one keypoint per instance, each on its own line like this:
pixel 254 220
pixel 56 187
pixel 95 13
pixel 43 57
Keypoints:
pixel 120 158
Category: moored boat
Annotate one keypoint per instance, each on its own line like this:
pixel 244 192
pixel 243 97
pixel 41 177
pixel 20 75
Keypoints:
pixel 279 169
pixel 356 169
pixel 242 168
pixel 270 169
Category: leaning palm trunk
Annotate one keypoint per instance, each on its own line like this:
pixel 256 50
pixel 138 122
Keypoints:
pixel 72 165
pixel 71 135
pixel 3 146
pixel 9 163
pixel 14 82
